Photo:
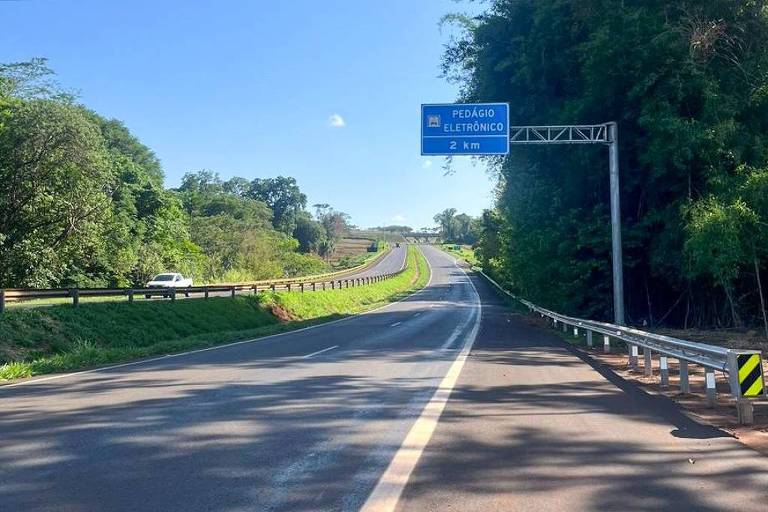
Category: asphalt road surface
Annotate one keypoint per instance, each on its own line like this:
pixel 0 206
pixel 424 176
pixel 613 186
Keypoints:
pixel 341 417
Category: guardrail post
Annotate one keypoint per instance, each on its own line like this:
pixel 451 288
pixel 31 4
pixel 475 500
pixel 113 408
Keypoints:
pixel 314 286
pixel 130 296
pixel 75 293
pixel 664 371
pixel 232 291
pixel 323 285
pixel 685 386
pixel 288 286
pixel 589 338
pixel 565 327
pixel 633 356
pixel 711 389
pixel 746 411
pixel 173 294
pixel 606 344
pixel 206 292
pixel 255 289
pixel 346 282
pixel 2 301
pixel 575 330
pixel 647 364
pixel 272 287
pixel 333 286
pixel 301 286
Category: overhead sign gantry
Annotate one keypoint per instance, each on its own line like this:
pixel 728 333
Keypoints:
pixel 482 129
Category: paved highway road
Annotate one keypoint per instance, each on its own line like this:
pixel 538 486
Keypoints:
pixel 336 418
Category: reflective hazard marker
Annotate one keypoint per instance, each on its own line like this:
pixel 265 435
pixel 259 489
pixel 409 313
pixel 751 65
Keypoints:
pixel 750 374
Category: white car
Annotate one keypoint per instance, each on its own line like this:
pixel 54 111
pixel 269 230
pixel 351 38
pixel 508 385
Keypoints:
pixel 169 280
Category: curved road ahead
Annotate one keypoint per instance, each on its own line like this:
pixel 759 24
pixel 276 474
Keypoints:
pixel 341 416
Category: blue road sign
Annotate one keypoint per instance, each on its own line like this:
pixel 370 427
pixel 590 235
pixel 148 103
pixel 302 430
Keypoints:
pixel 465 129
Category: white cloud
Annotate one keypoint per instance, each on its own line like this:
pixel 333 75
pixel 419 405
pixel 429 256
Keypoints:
pixel 426 164
pixel 398 218
pixel 336 121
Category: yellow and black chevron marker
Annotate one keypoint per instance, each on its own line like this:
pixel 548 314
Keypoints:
pixel 750 374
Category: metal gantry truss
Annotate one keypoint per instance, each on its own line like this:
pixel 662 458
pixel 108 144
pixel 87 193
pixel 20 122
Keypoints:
pixel 572 134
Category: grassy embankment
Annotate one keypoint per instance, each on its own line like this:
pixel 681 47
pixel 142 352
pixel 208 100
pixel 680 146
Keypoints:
pixel 62 338
pixel 464 252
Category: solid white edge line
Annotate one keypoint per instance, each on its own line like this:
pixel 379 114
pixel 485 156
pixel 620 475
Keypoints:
pixel 218 347
pixel 386 494
pixel 396 324
pixel 319 352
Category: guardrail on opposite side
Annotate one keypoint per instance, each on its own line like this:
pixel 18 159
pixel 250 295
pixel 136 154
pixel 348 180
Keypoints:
pixel 317 282
pixel 743 368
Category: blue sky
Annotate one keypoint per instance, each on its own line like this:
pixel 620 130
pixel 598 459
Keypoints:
pixel 325 91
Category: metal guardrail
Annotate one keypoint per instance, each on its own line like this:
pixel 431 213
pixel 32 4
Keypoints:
pixel 743 368
pixel 308 283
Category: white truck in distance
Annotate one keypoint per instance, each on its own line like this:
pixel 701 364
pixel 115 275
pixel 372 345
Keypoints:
pixel 169 280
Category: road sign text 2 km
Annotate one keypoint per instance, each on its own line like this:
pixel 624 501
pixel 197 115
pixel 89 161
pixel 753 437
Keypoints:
pixel 465 129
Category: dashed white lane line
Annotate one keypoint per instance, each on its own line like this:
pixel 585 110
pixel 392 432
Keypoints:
pixel 320 352
pixel 417 314
pixel 390 486
pixel 395 324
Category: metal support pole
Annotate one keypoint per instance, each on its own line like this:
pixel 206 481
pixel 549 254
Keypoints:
pixel 606 344
pixel 233 292
pixel 2 301
pixel 75 296
pixel 589 338
pixel 685 386
pixel 206 292
pixel 647 364
pixel 618 271
pixel 130 296
pixel 664 371
pixel 711 389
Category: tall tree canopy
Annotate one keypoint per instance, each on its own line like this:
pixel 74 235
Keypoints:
pixel 82 203
pixel 687 82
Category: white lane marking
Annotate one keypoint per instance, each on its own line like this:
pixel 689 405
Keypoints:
pixel 320 352
pixel 417 314
pixel 218 347
pixel 390 486
pixel 395 324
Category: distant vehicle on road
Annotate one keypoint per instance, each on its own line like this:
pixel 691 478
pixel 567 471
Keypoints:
pixel 169 280
pixel 397 244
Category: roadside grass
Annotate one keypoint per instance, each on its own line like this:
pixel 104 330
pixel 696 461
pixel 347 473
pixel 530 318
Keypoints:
pixel 355 300
pixel 464 252
pixel 62 338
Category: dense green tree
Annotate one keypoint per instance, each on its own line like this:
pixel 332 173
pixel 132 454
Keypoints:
pixel 687 83
pixel 82 203
pixel 283 196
